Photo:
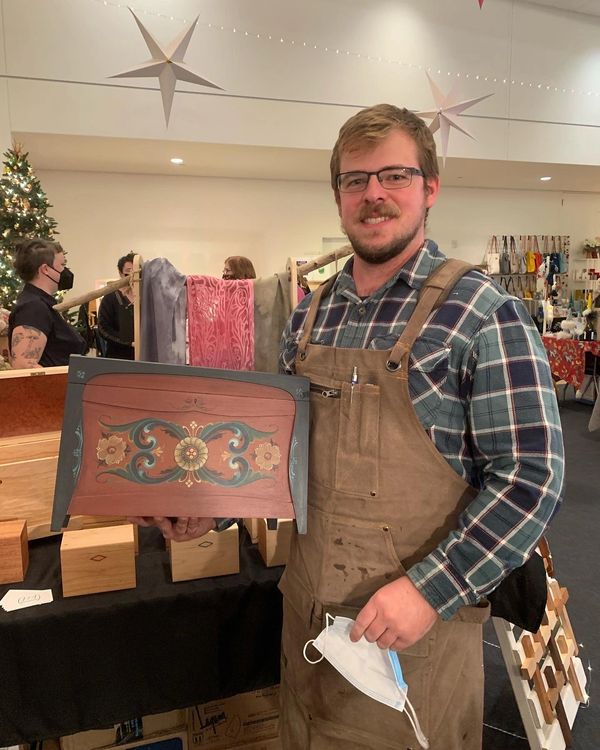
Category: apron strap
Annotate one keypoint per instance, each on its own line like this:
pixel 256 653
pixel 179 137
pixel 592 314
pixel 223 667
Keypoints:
pixel 433 294
pixel 311 316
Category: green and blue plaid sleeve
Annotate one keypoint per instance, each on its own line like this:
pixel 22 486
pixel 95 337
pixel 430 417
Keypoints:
pixel 517 450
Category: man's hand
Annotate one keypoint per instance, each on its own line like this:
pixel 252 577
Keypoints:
pixel 180 530
pixel 396 616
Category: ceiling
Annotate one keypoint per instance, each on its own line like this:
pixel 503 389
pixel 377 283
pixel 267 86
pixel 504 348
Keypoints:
pixel 123 155
pixel 592 7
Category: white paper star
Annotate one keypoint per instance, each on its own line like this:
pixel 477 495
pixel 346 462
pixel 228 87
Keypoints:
pixel 444 117
pixel 167 65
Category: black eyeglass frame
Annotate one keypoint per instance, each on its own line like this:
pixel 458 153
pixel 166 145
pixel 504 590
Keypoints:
pixel 412 171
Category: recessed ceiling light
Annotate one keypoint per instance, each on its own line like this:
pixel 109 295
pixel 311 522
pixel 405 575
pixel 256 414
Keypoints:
pixel 545 179
pixel 176 160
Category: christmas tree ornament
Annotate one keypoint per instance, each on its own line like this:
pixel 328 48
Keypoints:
pixel 446 112
pixel 167 65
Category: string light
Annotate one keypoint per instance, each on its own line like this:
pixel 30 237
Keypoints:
pixel 349 53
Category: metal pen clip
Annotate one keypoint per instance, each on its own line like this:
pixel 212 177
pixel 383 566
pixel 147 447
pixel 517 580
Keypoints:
pixel 353 381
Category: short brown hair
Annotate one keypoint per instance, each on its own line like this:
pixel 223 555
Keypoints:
pixel 33 253
pixel 371 125
pixel 241 267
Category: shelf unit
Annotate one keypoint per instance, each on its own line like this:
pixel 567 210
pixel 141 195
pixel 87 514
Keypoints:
pixel 579 280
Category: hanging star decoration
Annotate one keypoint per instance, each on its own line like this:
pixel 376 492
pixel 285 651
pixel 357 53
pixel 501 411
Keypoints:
pixel 445 114
pixel 167 65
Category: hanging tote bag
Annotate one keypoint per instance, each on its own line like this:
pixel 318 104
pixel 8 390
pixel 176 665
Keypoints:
pixel 539 258
pixel 530 265
pixel 563 263
pixel 493 256
pixel 504 257
pixel 513 257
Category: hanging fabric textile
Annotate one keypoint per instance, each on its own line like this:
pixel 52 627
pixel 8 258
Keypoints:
pixel 221 322
pixel 163 313
pixel 271 312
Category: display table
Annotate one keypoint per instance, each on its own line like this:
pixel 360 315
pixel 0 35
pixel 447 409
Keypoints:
pixel 567 358
pixel 91 661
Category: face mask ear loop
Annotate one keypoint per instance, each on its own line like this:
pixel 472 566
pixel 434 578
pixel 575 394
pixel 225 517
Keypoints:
pixel 312 640
pixel 412 717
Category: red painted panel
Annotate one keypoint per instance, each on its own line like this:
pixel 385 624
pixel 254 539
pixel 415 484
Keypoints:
pixel 172 445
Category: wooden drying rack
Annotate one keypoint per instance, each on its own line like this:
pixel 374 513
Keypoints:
pixel 295 274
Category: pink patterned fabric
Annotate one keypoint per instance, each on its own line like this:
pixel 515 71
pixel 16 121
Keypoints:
pixel 221 322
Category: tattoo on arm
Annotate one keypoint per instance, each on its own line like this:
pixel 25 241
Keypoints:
pixel 27 347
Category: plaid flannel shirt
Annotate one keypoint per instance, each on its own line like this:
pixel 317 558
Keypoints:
pixel 481 386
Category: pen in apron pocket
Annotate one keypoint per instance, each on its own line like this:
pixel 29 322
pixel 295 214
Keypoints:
pixel 353 381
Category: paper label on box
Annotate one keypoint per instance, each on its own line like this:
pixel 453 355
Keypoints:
pixel 22 598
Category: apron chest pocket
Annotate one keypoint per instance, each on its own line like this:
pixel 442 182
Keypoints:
pixel 344 436
pixel 357 459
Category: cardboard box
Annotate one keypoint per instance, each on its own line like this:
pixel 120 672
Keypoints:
pixel 169 741
pixel 272 744
pixel 274 543
pixel 243 719
pixel 153 725
pixel 95 560
pixel 214 554
pixel 14 551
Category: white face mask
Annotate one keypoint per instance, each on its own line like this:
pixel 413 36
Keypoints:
pixel 374 671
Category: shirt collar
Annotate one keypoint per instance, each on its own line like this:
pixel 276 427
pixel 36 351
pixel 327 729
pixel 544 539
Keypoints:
pixel 35 291
pixel 413 273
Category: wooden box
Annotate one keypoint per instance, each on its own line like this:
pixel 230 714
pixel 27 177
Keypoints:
pixel 28 465
pixel 14 552
pixel 214 554
pixel 32 400
pixel 251 525
pixel 274 538
pixel 147 439
pixel 27 476
pixel 95 560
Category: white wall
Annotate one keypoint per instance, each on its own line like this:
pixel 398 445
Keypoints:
pixel 62 52
pixel 197 222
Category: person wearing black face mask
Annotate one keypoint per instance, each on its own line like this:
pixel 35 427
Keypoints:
pixel 38 336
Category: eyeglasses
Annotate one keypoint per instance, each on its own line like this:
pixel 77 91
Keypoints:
pixel 391 178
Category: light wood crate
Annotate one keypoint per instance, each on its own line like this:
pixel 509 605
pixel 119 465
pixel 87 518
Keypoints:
pixel 96 560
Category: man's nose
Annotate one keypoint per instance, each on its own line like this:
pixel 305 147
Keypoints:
pixel 374 190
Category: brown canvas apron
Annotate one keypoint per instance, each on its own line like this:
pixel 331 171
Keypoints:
pixel 381 497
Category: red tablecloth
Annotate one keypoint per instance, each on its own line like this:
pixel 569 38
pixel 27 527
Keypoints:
pixel 567 358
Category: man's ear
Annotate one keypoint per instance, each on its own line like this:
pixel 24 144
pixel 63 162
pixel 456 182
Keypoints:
pixel 432 188
pixel 338 203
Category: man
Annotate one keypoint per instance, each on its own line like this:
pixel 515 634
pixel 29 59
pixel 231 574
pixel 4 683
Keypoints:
pixel 115 317
pixel 38 336
pixel 436 455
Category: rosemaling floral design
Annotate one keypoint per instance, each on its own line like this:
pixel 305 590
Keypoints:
pixel 141 444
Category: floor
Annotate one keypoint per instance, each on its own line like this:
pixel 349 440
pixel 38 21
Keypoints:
pixel 574 542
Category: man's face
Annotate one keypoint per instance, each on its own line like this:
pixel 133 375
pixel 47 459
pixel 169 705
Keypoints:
pixel 56 268
pixel 381 223
pixel 227 272
pixel 127 268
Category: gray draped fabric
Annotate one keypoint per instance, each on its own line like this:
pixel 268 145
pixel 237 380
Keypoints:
pixel 164 307
pixel 271 311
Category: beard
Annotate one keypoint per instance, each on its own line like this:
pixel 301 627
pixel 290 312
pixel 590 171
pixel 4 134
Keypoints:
pixel 376 254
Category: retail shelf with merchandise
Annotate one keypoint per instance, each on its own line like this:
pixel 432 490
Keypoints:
pixel 585 271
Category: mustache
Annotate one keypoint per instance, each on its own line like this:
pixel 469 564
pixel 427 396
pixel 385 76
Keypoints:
pixel 376 212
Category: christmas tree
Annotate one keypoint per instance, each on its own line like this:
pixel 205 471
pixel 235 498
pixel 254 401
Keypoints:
pixel 23 206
